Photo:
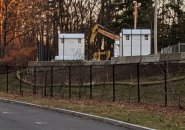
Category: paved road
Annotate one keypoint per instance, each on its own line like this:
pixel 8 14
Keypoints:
pixel 18 117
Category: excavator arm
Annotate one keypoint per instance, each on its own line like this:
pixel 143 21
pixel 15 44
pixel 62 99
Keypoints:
pixel 100 29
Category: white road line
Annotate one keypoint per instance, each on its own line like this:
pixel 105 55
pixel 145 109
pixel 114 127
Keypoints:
pixel 40 123
pixel 6 112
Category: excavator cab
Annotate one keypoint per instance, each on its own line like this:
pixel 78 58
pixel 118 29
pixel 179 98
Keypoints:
pixel 102 41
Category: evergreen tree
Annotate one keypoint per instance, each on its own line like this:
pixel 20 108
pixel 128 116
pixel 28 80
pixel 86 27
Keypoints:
pixel 171 23
pixel 125 17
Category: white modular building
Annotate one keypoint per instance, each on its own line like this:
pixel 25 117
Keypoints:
pixel 135 42
pixel 71 46
pixel 116 48
pixel 178 48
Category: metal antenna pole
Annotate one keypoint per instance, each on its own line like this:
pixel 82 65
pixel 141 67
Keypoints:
pixel 136 6
pixel 135 14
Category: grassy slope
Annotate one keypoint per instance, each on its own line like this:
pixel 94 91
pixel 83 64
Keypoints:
pixel 147 115
pixel 153 116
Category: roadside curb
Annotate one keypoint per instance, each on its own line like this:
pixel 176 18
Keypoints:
pixel 80 114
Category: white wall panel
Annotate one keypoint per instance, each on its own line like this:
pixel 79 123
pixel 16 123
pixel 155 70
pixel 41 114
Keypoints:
pixel 137 44
pixel 70 48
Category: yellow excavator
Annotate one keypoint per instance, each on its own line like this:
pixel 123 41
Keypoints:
pixel 100 29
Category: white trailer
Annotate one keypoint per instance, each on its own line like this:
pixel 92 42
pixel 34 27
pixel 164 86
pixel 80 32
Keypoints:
pixel 71 46
pixel 135 42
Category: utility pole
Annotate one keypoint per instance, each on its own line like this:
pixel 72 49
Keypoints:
pixel 136 6
pixel 155 28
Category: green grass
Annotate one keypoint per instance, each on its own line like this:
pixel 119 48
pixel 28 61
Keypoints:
pixel 153 94
pixel 124 109
pixel 152 116
pixel 13 84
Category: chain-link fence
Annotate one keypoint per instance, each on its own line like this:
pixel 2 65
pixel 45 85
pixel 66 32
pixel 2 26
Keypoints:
pixel 152 83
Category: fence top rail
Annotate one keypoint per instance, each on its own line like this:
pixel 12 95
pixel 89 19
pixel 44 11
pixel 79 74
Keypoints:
pixel 91 65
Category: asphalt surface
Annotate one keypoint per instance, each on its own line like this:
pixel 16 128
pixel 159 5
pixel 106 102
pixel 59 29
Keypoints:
pixel 19 117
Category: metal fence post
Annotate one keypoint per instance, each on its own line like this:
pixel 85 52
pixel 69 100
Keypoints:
pixel 34 84
pixel 7 79
pixel 51 87
pixel 20 82
pixel 138 82
pixel 79 92
pixel 165 84
pixel 81 83
pixel 113 86
pixel 69 81
pixel 45 82
pixel 90 82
